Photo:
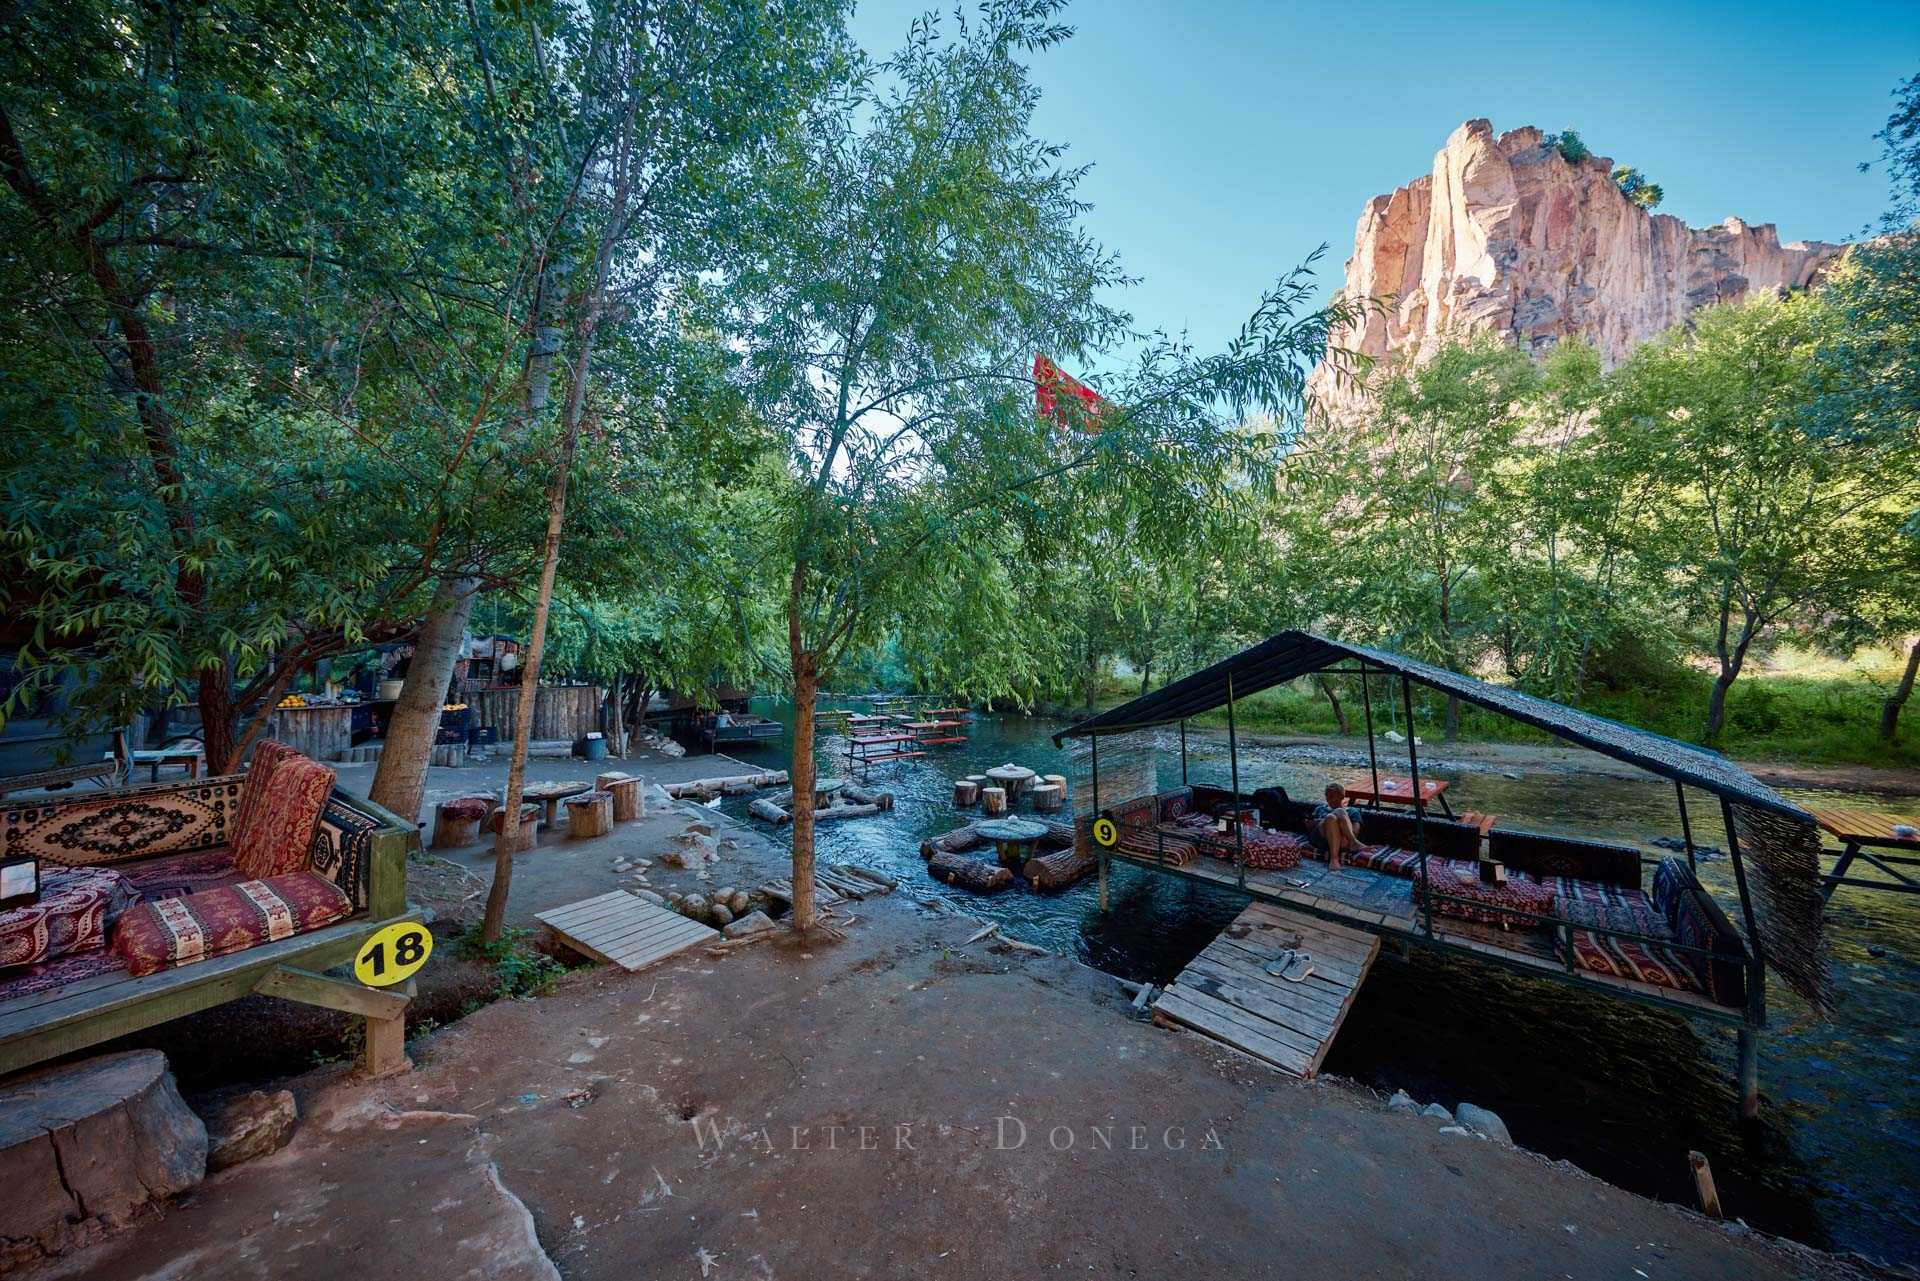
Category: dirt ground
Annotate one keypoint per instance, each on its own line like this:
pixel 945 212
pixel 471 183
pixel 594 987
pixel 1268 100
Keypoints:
pixel 895 1103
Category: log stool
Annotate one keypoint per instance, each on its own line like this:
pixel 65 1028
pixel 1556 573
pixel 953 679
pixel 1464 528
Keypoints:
pixel 589 814
pixel 457 822
pixel 993 800
pixel 1059 781
pixel 1048 796
pixel 625 789
pixel 529 826
pixel 966 792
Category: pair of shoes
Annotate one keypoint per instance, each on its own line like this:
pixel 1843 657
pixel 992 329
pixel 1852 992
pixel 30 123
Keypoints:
pixel 1292 965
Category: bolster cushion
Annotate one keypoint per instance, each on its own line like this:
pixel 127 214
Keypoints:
pixel 180 931
pixel 1544 857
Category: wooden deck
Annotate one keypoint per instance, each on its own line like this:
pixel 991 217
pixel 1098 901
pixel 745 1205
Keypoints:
pixel 618 928
pixel 1382 904
pixel 1227 994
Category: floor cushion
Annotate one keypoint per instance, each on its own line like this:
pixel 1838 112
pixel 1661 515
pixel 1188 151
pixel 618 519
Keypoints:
pixel 1607 907
pixel 172 875
pixel 1390 859
pixel 1267 851
pixel 1516 903
pixel 231 918
pixel 276 837
pixel 1629 959
pixel 76 907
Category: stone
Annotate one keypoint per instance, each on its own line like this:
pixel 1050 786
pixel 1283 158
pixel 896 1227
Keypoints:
pixel 739 902
pixel 84 1147
pixel 1460 1130
pixel 1507 235
pixel 751 925
pixel 724 895
pixel 250 1126
pixel 1437 1112
pixel 1482 1121
pixel 649 895
pixel 695 906
pixel 1403 1102
pixel 720 916
pixel 700 827
pixel 673 857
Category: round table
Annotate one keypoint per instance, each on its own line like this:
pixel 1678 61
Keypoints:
pixel 551 794
pixel 825 789
pixel 1014 838
pixel 1014 778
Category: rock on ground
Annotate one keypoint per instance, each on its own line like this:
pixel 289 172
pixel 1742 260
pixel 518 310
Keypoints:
pixel 250 1126
pixel 1482 1121
pixel 749 926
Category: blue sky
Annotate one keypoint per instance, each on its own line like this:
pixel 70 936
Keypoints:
pixel 1231 138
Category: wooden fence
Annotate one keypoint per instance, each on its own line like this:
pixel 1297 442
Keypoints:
pixel 560 712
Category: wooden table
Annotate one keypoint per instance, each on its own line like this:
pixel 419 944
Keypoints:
pixel 1013 838
pixel 551 794
pixel 1399 791
pixel 191 757
pixel 1014 778
pixel 1859 830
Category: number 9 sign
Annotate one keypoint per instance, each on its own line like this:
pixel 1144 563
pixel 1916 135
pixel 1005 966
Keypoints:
pixel 1105 832
pixel 393 955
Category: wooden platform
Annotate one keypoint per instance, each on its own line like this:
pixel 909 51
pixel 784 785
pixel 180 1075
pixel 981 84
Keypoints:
pixel 618 928
pixel 1227 994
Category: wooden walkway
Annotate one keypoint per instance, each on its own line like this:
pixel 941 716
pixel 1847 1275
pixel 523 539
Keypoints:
pixel 617 928
pixel 1227 994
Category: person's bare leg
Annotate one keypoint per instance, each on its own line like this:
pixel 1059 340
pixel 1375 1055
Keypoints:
pixel 1330 833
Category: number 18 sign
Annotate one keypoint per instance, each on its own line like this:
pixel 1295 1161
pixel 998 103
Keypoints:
pixel 393 955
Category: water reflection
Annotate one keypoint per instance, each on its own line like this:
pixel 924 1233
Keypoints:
pixel 1620 1090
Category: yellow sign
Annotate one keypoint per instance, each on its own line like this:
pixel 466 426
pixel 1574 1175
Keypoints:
pixel 393 955
pixel 1104 832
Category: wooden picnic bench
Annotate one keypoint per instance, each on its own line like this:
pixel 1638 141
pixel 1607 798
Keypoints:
pixel 1859 831
pixel 1399 791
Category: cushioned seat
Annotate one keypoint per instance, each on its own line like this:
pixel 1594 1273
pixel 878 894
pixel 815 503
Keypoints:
pixel 171 875
pixel 1609 907
pixel 214 922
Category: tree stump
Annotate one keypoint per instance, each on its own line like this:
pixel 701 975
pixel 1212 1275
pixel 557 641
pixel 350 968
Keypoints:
pixel 1047 797
pixel 970 873
pixel 625 790
pixel 1057 780
pixel 589 814
pixel 993 800
pixel 84 1146
pixel 1059 869
pixel 457 822
pixel 529 826
pixel 966 793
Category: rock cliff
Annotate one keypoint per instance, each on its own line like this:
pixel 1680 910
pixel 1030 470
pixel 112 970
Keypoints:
pixel 1506 234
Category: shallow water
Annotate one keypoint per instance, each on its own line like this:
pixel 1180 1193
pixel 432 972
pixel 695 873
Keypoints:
pixel 1620 1090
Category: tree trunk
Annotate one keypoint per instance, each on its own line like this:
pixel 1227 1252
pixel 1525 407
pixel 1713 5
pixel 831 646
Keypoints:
pixel 615 730
pixel 806 687
pixel 400 781
pixel 216 718
pixel 1890 710
pixel 1731 661
pixel 1333 701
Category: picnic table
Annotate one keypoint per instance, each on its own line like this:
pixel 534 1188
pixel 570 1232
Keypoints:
pixel 1014 778
pixel 1013 838
pixel 1399 791
pixel 551 794
pixel 1860 830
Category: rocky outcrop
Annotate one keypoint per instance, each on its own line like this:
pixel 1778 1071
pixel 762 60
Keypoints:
pixel 1507 235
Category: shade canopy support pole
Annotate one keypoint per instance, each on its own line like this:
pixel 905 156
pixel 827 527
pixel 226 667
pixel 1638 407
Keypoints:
pixel 1093 743
pixel 1183 752
pixel 1686 828
pixel 1749 1040
pixel 1419 804
pixel 1233 764
pixel 1366 704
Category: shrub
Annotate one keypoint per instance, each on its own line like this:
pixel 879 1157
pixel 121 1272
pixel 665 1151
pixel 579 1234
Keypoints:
pixel 1567 143
pixel 517 967
pixel 1634 186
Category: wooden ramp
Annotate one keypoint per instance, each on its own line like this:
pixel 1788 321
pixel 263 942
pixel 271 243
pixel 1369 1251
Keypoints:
pixel 1227 994
pixel 619 929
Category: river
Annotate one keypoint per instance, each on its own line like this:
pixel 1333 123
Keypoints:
pixel 1622 1091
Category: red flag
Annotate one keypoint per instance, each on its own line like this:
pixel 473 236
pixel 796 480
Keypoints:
pixel 1050 382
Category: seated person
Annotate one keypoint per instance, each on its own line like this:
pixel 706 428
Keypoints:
pixel 1332 829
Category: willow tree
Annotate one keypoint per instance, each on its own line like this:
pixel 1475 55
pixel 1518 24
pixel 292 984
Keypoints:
pixel 926 245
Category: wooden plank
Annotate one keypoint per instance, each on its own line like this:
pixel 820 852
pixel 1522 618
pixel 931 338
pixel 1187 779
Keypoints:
pixel 309 988
pixel 1206 1015
pixel 585 910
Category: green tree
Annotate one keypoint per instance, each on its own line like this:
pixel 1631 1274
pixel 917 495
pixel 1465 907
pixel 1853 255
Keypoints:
pixel 1757 518
pixel 926 247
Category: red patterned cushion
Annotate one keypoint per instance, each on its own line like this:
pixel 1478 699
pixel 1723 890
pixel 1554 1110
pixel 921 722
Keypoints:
pixel 1390 859
pixel 180 931
pixel 259 780
pixel 1607 907
pixel 1627 959
pixel 277 837
pixel 75 907
pixel 1459 892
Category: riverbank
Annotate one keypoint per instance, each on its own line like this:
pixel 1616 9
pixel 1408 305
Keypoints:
pixel 896 1103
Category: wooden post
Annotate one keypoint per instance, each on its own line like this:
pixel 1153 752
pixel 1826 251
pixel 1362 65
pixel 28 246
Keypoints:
pixel 385 1050
pixel 589 814
pixel 1749 1072
pixel 1703 1185
pixel 1366 703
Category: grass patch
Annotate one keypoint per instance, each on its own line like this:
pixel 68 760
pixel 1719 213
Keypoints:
pixel 1831 717
pixel 517 967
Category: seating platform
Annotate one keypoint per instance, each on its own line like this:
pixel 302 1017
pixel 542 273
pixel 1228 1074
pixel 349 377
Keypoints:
pixel 1227 994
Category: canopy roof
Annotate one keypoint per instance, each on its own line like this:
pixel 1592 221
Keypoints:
pixel 1293 654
